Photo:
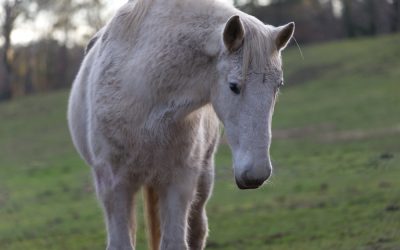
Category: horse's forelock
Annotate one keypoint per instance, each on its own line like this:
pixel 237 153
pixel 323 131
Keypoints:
pixel 257 46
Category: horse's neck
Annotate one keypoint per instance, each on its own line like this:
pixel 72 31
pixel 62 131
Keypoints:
pixel 180 68
pixel 183 99
pixel 183 82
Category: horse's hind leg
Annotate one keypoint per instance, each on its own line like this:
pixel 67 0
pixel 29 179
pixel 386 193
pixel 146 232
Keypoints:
pixel 116 196
pixel 198 223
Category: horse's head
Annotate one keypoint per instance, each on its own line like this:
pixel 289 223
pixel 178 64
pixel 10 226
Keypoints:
pixel 250 74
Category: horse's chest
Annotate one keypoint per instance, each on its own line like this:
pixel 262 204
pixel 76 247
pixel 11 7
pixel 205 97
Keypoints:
pixel 134 139
pixel 151 158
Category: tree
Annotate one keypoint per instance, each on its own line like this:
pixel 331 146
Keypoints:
pixel 371 9
pixel 348 18
pixel 65 13
pixel 64 17
pixel 395 16
pixel 11 9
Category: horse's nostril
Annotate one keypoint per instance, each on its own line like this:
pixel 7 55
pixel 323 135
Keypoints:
pixel 253 182
pixel 247 182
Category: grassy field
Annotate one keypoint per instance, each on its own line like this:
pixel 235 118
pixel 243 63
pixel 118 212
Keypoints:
pixel 336 153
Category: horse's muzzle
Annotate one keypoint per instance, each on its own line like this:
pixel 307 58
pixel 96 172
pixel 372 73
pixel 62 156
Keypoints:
pixel 253 185
pixel 246 181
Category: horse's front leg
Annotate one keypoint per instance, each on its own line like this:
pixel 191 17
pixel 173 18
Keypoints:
pixel 116 194
pixel 175 199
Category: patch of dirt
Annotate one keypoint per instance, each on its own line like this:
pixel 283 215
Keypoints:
pixel 392 208
pixel 216 245
pixel 378 244
pixel 384 184
pixel 303 132
pixel 360 134
pixel 275 236
pixel 4 197
pixel 323 187
pixel 309 73
pixel 305 204
pixel 386 156
pixel 327 133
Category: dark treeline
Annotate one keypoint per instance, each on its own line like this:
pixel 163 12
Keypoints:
pixel 324 20
pixel 51 63
pixel 41 66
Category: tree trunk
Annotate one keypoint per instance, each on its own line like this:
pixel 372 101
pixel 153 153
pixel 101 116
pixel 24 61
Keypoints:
pixel 372 17
pixel 348 18
pixel 395 20
pixel 6 91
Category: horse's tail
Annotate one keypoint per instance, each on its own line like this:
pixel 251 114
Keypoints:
pixel 152 217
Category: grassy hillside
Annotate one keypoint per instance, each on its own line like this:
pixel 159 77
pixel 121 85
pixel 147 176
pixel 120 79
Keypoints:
pixel 336 154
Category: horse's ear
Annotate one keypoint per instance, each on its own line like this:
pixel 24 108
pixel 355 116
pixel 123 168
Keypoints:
pixel 283 35
pixel 233 34
pixel 93 40
pixel 91 44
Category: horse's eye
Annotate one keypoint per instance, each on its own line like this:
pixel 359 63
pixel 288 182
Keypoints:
pixel 234 87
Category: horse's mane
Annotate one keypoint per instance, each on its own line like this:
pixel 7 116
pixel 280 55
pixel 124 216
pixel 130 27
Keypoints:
pixel 128 18
pixel 257 47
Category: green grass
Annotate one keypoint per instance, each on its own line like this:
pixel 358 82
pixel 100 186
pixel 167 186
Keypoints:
pixel 336 153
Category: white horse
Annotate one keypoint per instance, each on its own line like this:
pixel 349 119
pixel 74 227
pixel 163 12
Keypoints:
pixel 145 108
